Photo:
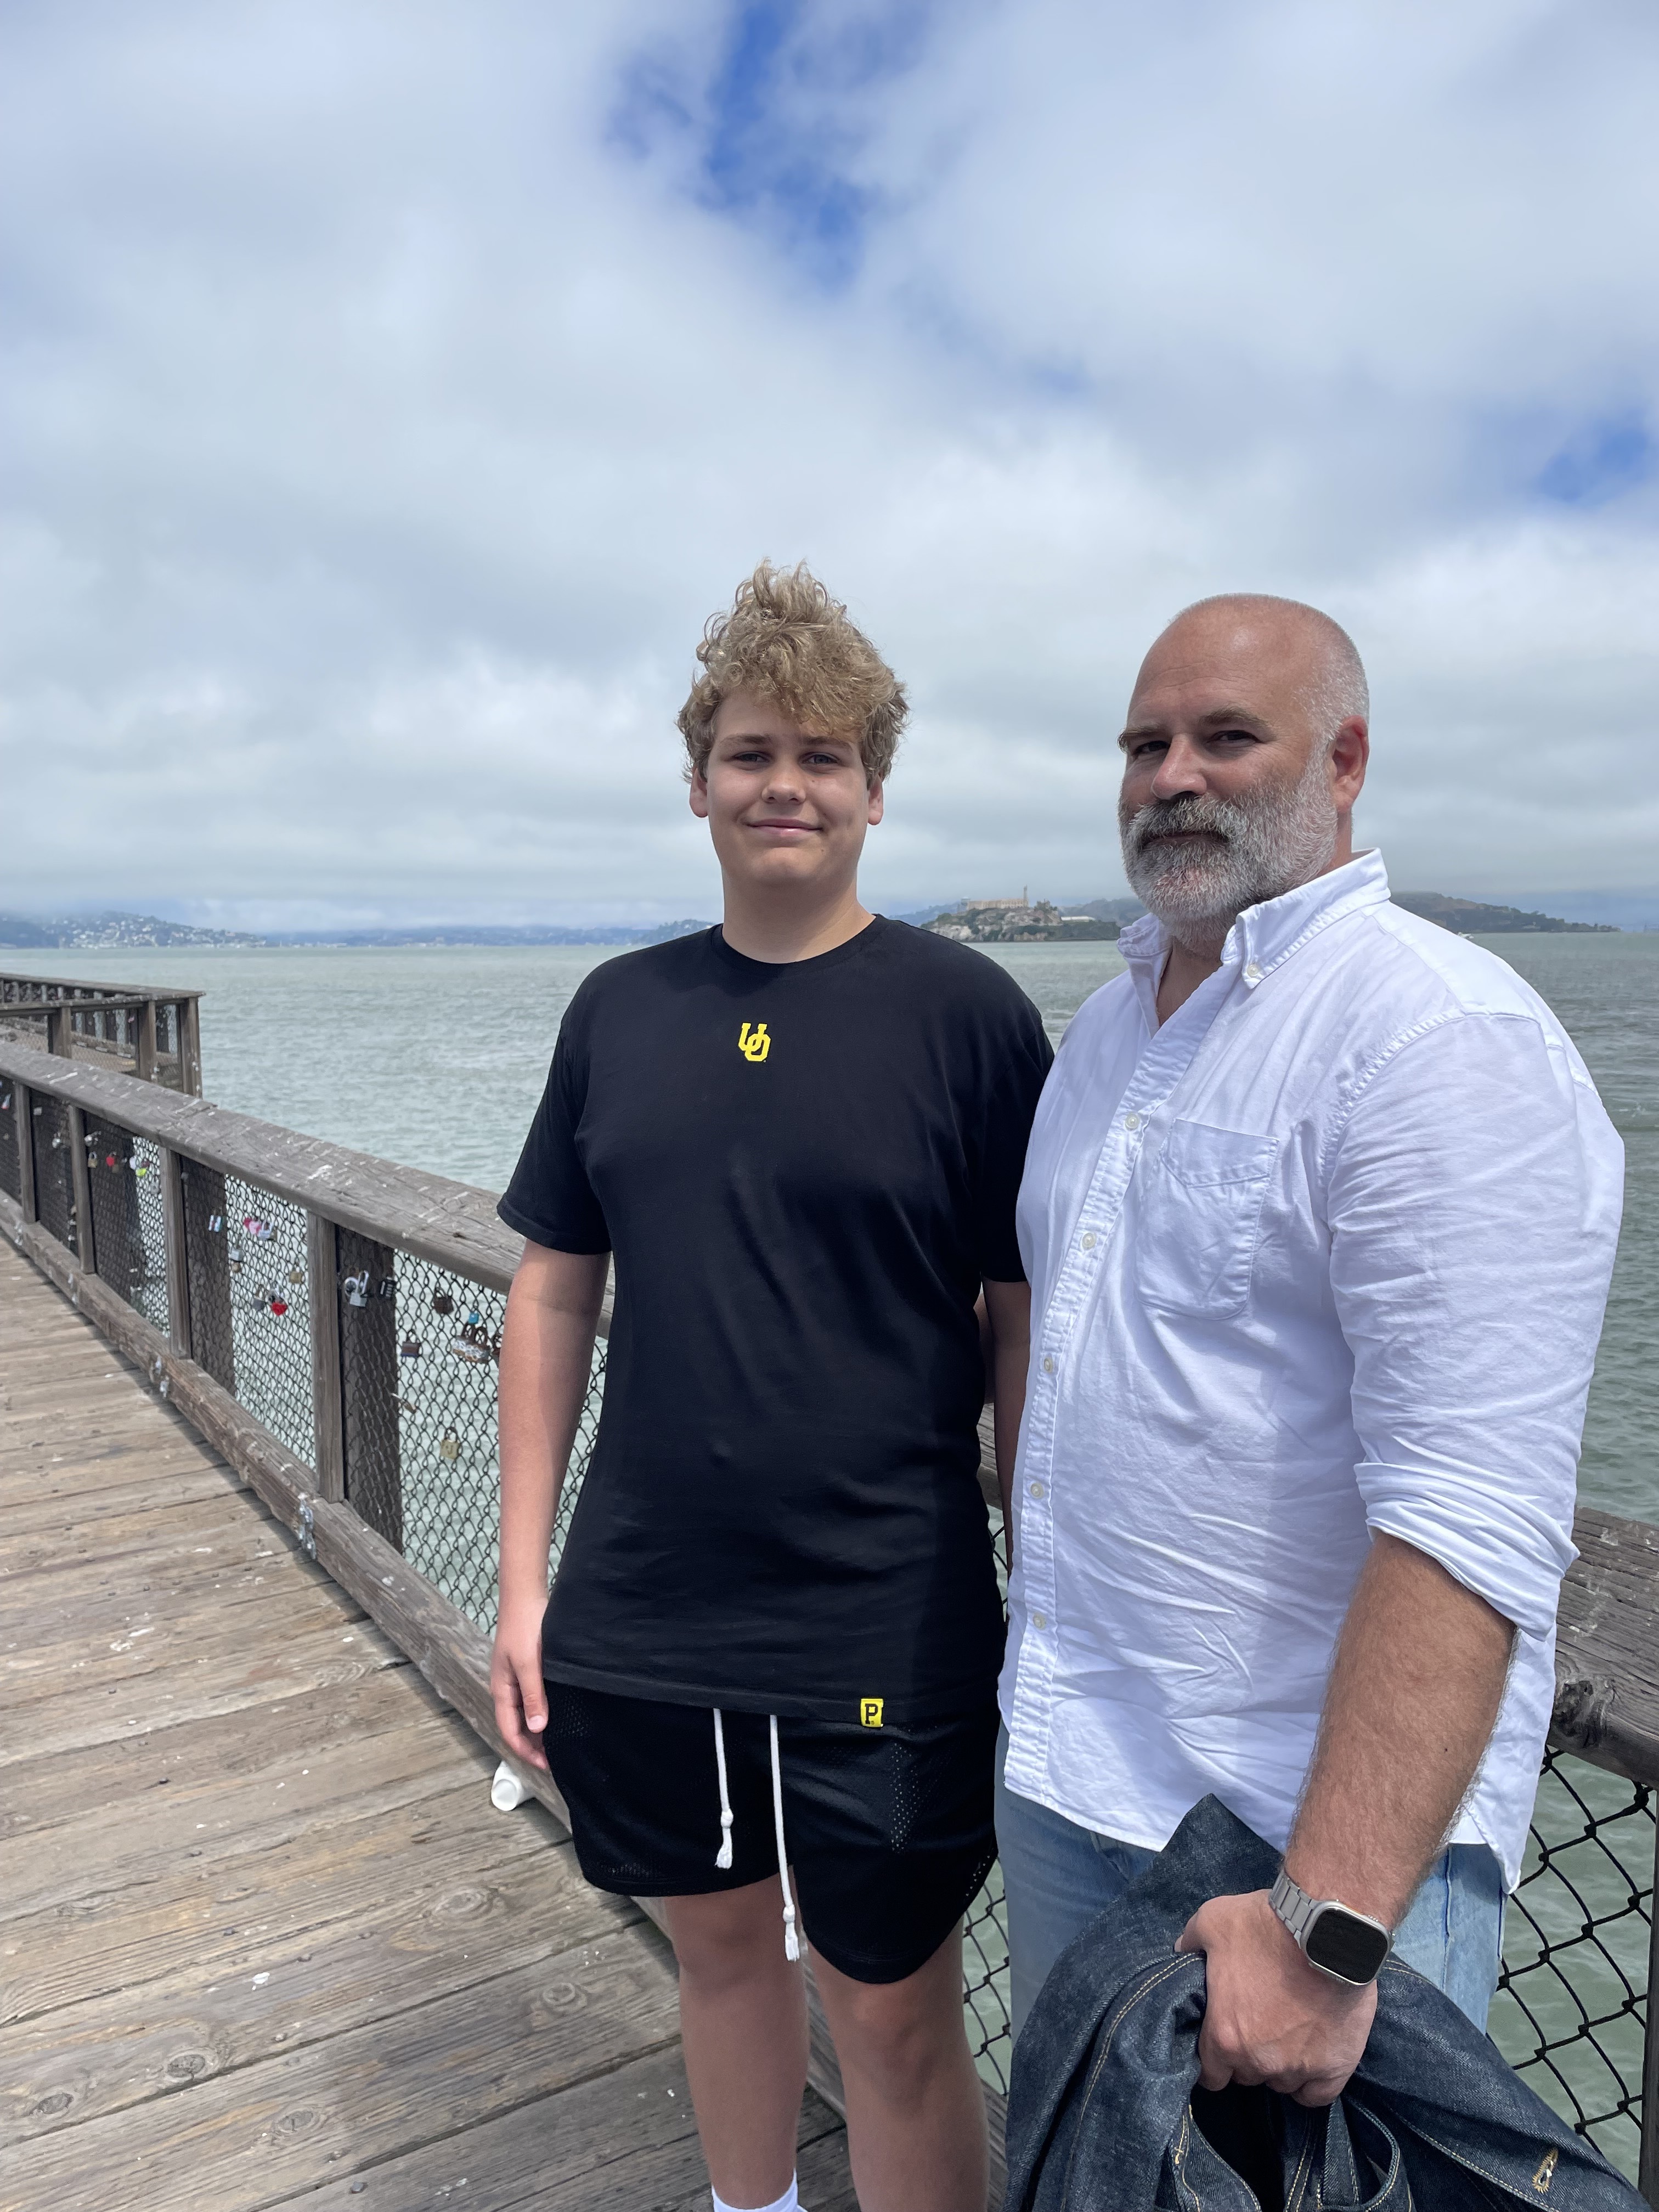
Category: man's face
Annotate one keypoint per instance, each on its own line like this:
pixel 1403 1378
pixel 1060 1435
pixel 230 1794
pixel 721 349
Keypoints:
pixel 1232 792
pixel 785 808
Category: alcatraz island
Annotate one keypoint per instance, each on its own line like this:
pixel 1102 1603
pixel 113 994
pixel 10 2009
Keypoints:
pixel 1021 921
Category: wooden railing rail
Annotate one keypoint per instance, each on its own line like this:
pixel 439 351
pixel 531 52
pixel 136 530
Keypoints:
pixel 152 1031
pixel 359 1429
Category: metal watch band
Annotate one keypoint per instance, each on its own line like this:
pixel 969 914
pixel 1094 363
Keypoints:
pixel 1298 1912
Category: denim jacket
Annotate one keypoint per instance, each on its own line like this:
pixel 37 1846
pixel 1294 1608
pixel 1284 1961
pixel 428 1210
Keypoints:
pixel 1105 2113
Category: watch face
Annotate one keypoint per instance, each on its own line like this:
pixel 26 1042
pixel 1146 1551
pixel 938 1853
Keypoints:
pixel 1345 1945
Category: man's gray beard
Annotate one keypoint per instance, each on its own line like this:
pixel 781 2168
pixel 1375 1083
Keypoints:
pixel 1272 841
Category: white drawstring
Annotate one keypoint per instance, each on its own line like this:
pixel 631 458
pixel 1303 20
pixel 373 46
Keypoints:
pixel 723 1856
pixel 791 1941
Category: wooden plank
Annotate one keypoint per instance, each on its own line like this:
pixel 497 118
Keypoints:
pixel 192 1764
pixel 251 2137
pixel 209 1912
pixel 229 1524
pixel 624 2142
pixel 246 1679
pixel 439 1929
pixel 158 1479
pixel 47 1655
pixel 307 1791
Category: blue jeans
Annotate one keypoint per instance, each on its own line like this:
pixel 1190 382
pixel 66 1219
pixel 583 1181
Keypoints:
pixel 1056 1876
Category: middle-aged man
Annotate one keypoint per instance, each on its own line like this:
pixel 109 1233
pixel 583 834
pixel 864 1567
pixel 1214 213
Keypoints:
pixel 1319 1215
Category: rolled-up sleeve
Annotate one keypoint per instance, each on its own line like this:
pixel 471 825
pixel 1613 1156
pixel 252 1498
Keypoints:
pixel 1474 1184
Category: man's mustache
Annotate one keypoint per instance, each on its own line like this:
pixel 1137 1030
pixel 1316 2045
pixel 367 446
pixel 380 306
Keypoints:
pixel 1185 816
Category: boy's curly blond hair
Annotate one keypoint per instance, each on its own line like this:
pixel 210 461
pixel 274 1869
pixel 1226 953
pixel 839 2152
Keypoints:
pixel 786 640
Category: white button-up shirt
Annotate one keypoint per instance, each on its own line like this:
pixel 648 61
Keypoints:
pixel 1326 1252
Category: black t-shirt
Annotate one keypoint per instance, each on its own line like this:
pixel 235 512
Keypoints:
pixel 804 1172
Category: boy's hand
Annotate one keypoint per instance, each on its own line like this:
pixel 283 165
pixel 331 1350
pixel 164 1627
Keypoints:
pixel 515 1682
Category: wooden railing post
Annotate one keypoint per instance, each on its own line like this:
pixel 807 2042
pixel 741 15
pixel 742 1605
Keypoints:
pixel 23 1108
pixel 81 1184
pixel 58 1032
pixel 145 1070
pixel 173 1203
pixel 189 1047
pixel 327 1398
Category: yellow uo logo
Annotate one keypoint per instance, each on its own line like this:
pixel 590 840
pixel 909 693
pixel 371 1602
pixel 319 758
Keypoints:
pixel 753 1044
pixel 869 1711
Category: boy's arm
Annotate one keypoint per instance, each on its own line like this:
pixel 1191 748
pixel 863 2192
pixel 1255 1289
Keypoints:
pixel 1008 1312
pixel 547 1354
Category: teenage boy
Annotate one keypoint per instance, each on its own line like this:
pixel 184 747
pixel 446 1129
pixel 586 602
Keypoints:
pixel 772 1646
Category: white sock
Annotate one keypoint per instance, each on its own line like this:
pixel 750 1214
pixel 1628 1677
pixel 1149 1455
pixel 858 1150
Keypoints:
pixel 787 2202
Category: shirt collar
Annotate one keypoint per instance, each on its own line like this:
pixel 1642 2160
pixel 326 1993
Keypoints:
pixel 1265 936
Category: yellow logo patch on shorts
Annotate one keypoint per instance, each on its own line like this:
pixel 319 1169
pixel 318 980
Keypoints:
pixel 870 1711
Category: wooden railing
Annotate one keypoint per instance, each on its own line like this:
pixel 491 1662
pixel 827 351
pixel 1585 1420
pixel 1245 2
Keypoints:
pixel 150 1030
pixel 330 1324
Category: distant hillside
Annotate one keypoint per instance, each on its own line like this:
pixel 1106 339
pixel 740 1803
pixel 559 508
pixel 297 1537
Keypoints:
pixel 87 931
pixel 80 932
pixel 463 933
pixel 1469 918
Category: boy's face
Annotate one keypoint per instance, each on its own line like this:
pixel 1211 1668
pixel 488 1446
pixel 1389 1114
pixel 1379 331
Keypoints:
pixel 785 809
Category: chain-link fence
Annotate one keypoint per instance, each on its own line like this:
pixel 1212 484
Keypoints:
pixel 268 1286
pixel 11 1178
pixel 420 1350
pixel 54 1172
pixel 128 1218
pixel 1571 2013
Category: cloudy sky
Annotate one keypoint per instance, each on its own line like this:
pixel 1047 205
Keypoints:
pixel 392 390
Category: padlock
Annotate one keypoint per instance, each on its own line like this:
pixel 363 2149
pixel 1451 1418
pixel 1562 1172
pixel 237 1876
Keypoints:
pixel 449 1445
pixel 355 1288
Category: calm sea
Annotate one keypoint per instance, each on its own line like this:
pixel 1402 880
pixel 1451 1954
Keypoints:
pixel 435 1056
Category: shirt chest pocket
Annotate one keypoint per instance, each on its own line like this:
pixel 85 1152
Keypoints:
pixel 1200 1207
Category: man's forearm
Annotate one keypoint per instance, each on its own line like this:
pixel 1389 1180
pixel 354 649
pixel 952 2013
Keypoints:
pixel 1413 1694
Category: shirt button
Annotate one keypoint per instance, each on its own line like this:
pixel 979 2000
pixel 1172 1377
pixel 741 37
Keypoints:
pixel 1039 1621
pixel 1252 972
pixel 1047 1363
pixel 1038 1490
pixel 1132 1121
pixel 1089 1241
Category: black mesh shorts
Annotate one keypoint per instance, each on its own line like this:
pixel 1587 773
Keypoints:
pixel 889 1830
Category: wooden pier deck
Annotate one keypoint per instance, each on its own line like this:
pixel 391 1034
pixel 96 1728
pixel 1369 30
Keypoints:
pixel 263 1941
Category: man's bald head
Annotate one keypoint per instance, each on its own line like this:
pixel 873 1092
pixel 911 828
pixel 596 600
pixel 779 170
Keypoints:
pixel 1325 660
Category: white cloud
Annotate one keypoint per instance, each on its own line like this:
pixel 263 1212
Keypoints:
pixel 392 413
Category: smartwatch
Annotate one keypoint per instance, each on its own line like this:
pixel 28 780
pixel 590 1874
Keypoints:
pixel 1348 1947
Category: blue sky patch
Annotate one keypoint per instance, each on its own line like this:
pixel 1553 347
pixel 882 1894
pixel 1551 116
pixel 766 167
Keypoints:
pixel 1611 456
pixel 769 126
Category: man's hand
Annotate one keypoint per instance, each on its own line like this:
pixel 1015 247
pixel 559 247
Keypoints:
pixel 1269 2016
pixel 515 1680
